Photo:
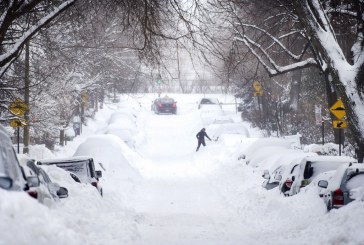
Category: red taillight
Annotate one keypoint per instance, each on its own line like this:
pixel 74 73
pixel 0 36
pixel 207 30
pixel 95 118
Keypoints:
pixel 288 183
pixel 94 184
pixel 338 197
pixel 33 194
pixel 160 105
pixel 174 105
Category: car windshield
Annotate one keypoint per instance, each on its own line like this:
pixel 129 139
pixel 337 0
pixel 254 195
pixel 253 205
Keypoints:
pixel 166 100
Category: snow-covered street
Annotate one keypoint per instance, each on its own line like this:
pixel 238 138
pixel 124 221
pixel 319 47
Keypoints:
pixel 163 192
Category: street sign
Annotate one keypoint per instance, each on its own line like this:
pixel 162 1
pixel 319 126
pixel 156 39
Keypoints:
pixel 339 123
pixel 15 123
pixel 338 109
pixel 18 107
pixel 257 86
pixel 258 93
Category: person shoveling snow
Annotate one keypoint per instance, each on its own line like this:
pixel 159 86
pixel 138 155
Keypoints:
pixel 201 138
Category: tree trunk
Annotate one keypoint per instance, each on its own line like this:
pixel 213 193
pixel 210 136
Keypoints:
pixel 311 22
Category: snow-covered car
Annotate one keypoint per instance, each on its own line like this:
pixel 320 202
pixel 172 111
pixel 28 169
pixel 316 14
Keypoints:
pixel 11 175
pixel 216 130
pixel 255 149
pixel 300 174
pixel 120 121
pixel 125 134
pixel 41 192
pixel 54 189
pixel 272 179
pixel 209 103
pixel 164 105
pixel 346 185
pixel 223 120
pixel 82 166
pixel 275 165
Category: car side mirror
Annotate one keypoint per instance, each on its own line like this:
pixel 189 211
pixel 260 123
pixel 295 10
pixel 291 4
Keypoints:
pixel 323 183
pixel 98 173
pixel 6 182
pixel 33 181
pixel 266 174
pixel 62 192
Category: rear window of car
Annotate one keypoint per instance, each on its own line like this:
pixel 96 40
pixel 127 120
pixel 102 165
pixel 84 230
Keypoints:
pixel 209 101
pixel 166 100
pixel 320 167
pixel 79 168
pixel 357 181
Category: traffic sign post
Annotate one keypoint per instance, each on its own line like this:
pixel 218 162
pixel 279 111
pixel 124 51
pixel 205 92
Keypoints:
pixel 18 108
pixel 338 110
pixel 17 123
pixel 258 92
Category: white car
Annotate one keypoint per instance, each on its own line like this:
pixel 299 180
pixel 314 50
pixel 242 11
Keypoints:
pixel 345 186
pixel 11 175
pixel 300 174
pixel 210 103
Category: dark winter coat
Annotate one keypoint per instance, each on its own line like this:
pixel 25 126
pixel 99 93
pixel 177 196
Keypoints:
pixel 201 136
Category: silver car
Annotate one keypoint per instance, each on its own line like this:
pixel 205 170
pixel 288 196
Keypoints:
pixel 346 185
pixel 12 177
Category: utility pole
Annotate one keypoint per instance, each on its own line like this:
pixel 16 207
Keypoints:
pixel 26 135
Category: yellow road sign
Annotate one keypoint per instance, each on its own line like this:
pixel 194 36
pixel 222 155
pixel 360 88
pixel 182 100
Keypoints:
pixel 338 109
pixel 339 123
pixel 18 107
pixel 257 86
pixel 15 123
pixel 84 97
pixel 259 93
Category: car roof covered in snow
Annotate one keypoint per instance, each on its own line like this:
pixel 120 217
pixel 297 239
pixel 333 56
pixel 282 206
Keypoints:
pixel 331 159
pixel 64 160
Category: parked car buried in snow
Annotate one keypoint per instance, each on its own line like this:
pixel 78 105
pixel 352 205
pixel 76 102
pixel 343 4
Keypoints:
pixel 54 189
pixel 346 185
pixel 81 166
pixel 209 103
pixel 12 177
pixel 300 174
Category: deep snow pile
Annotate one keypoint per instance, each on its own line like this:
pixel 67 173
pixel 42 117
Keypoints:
pixel 160 191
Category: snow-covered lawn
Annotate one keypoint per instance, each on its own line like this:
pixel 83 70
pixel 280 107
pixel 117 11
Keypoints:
pixel 163 192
